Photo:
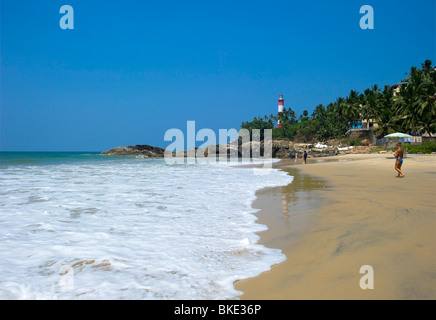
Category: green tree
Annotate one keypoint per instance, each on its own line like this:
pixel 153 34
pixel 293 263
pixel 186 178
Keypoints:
pixel 416 105
pixel 385 114
pixel 258 123
pixel 370 103
pixel 352 102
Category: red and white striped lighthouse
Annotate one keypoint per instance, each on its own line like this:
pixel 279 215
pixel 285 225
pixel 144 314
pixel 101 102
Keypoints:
pixel 281 106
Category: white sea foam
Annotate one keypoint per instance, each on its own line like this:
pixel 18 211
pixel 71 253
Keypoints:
pixel 130 229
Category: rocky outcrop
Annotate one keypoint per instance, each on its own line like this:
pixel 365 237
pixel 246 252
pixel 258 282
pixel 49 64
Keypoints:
pixel 361 135
pixel 287 149
pixel 138 150
pixel 281 149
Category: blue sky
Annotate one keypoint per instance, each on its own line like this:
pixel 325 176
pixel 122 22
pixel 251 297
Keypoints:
pixel 130 70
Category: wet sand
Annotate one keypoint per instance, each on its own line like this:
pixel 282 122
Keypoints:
pixel 341 213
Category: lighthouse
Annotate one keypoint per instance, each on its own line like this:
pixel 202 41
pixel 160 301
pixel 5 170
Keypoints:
pixel 281 105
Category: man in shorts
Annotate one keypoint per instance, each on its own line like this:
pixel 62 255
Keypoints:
pixel 399 160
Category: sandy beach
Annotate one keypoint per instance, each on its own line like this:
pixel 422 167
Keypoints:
pixel 341 213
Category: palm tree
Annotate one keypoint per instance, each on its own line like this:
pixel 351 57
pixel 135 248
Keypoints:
pixel 427 110
pixel 370 103
pixel 427 68
pixel 336 121
pixel 319 114
pixel 385 115
pixel 341 110
pixel 416 103
pixel 353 106
pixel 288 117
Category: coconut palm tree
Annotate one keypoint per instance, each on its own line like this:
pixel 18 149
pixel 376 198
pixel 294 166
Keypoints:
pixel 416 104
pixel 336 122
pixel 370 103
pixel 341 110
pixel 353 106
pixel 319 114
pixel 427 110
pixel 385 115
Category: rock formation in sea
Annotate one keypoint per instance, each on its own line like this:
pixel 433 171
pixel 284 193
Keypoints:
pixel 138 150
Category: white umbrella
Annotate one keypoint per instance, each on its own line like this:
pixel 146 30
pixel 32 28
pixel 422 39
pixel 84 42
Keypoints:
pixel 398 135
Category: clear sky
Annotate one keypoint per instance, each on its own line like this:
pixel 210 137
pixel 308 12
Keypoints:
pixel 130 70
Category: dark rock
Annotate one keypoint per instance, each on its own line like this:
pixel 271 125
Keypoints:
pixel 143 150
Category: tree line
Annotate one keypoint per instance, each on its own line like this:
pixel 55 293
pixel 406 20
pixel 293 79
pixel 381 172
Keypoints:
pixel 408 107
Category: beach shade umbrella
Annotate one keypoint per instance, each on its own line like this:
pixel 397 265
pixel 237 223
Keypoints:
pixel 398 135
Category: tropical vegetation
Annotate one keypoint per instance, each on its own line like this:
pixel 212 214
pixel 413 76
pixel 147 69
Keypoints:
pixel 425 147
pixel 409 107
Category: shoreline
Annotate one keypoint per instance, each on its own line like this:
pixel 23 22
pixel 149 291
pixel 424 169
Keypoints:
pixel 341 213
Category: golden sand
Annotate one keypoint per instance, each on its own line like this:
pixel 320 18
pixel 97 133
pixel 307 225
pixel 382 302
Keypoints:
pixel 344 212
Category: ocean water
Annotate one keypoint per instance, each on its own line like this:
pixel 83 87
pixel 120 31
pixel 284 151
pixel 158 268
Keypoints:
pixel 88 226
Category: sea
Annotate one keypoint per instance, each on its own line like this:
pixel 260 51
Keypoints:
pixel 81 225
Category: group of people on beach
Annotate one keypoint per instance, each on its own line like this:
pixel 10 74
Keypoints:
pixel 304 157
pixel 399 155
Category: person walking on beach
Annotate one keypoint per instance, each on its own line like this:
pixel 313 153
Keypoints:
pixel 399 160
pixel 296 156
pixel 304 156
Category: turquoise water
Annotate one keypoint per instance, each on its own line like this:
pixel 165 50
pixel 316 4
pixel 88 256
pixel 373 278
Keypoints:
pixel 50 158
